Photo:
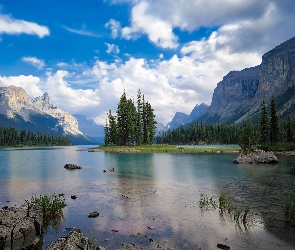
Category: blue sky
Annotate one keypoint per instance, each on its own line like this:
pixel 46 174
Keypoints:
pixel 85 53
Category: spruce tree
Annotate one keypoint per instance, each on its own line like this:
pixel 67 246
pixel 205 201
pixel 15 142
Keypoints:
pixel 138 130
pixel 263 124
pixel 107 133
pixel 274 124
pixel 150 123
pixel 247 139
pixel 113 133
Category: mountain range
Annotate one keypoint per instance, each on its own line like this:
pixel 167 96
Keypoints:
pixel 38 115
pixel 237 97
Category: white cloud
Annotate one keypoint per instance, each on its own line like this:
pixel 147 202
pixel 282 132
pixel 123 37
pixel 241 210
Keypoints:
pixel 115 27
pixel 157 29
pixel 112 48
pixel 71 100
pixel 82 32
pixel 9 25
pixel 30 83
pixel 38 63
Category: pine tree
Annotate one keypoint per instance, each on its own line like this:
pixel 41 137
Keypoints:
pixel 274 125
pixel 263 124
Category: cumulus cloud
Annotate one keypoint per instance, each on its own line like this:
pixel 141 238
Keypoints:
pixel 38 63
pixel 115 28
pixel 11 26
pixel 30 83
pixel 63 95
pixel 112 48
pixel 157 29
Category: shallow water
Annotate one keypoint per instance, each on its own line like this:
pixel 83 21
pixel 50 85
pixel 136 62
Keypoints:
pixel 155 194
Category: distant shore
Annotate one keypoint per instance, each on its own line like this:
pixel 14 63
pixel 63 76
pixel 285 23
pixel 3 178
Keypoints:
pixel 165 148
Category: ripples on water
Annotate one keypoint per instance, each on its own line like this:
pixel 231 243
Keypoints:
pixel 154 194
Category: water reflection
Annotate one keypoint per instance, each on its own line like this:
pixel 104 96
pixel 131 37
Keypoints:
pixel 153 194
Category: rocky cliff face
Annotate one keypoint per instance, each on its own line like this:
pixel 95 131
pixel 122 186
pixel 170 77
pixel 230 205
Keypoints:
pixel 68 122
pixel 18 111
pixel 15 100
pixel 239 94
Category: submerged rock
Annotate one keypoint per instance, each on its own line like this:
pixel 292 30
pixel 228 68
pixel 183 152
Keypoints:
pixel 258 156
pixel 72 166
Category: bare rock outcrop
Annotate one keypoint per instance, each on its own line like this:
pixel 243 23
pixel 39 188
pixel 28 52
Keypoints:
pixel 73 240
pixel 21 228
pixel 258 156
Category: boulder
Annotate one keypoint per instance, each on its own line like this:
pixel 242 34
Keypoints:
pixel 257 156
pixel 72 166
pixel 73 240
pixel 21 228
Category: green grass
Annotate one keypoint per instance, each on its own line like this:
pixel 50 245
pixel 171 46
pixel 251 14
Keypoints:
pixel 52 205
pixel 289 212
pixel 162 148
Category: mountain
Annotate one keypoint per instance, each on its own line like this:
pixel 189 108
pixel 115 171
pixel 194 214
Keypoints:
pixel 68 122
pixel 37 115
pixel 239 94
pixel 89 128
pixel 182 118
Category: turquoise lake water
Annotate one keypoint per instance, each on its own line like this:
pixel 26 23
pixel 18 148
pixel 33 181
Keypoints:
pixel 156 194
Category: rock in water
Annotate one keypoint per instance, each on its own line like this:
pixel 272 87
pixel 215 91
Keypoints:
pixel 72 166
pixel 258 156
pixel 93 214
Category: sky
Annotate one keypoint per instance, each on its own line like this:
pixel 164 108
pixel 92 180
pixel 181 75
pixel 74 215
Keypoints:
pixel 85 53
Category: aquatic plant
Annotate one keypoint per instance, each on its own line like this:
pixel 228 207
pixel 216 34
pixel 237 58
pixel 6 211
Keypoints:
pixel 207 202
pixel 52 205
pixel 93 242
pixel 289 212
pixel 225 203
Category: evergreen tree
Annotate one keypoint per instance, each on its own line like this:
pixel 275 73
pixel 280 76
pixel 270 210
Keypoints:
pixel 113 134
pixel 274 125
pixel 107 133
pixel 247 141
pixel 263 124
pixel 150 123
pixel 139 120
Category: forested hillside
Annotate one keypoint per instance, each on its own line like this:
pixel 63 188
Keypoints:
pixel 15 138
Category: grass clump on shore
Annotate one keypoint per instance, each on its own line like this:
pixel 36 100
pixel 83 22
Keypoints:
pixel 289 212
pixel 52 205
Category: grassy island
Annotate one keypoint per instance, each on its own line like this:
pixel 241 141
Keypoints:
pixel 164 148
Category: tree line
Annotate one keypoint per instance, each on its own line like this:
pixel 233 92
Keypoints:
pixel 268 131
pixel 10 137
pixel 132 125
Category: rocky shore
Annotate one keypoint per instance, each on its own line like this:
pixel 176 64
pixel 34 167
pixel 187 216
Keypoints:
pixel 21 228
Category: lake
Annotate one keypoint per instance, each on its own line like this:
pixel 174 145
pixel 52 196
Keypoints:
pixel 154 195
